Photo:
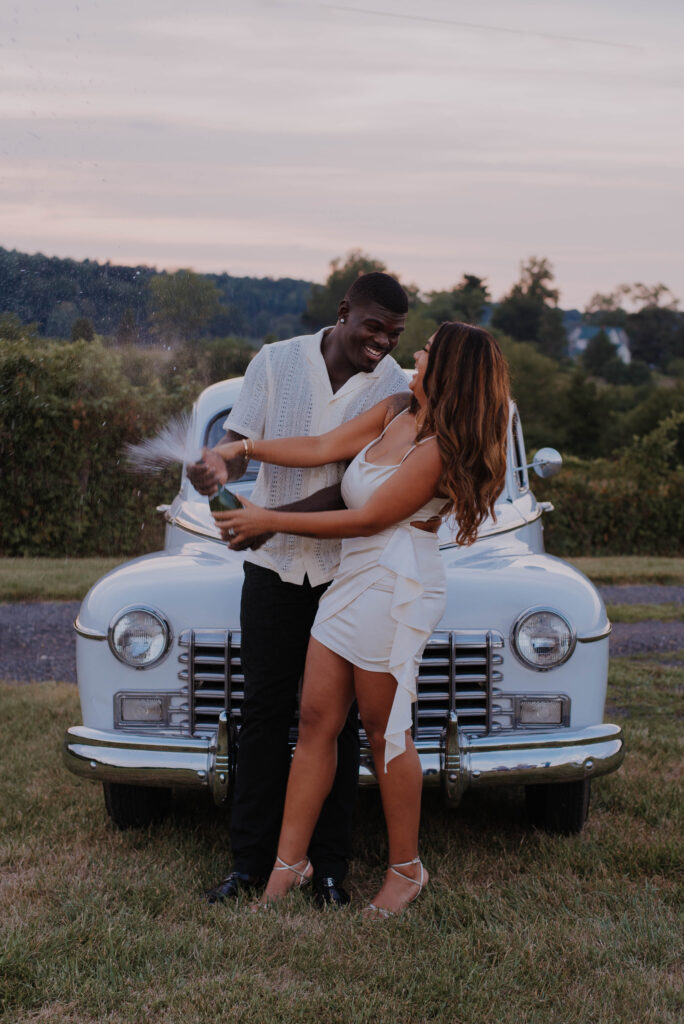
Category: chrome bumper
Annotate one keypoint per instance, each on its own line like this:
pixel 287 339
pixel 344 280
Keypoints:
pixel 563 755
pixel 459 763
pixel 152 760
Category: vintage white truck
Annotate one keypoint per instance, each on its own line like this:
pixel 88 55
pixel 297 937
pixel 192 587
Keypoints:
pixel 511 689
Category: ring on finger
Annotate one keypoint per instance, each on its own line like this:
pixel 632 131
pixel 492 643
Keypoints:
pixel 231 532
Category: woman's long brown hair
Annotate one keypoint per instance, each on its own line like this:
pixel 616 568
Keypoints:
pixel 466 384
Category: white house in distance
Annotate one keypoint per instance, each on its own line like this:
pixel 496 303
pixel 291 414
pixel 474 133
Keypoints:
pixel 581 335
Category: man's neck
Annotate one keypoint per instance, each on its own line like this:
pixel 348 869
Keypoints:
pixel 340 370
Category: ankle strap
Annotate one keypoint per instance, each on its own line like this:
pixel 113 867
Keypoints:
pixel 282 866
pixel 408 864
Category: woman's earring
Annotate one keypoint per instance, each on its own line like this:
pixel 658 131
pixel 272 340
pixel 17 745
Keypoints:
pixel 341 319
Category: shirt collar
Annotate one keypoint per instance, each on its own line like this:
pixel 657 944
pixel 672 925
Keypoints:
pixel 356 382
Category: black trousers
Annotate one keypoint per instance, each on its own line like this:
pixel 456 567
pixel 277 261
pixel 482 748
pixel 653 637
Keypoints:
pixel 276 620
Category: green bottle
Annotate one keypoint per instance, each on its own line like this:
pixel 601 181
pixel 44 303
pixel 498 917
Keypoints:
pixel 224 500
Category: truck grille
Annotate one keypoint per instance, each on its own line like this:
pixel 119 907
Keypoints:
pixel 459 671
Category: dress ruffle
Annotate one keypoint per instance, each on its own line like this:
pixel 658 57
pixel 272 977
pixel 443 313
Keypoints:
pixel 405 551
pixel 414 624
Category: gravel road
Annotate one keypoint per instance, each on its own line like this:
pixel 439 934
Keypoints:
pixel 37 641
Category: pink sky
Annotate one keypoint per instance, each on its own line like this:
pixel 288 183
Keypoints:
pixel 266 139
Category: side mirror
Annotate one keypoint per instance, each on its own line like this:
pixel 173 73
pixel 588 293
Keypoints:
pixel 546 463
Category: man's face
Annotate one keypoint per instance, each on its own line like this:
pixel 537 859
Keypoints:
pixel 370 333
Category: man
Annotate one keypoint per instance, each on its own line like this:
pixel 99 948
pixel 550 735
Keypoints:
pixel 306 385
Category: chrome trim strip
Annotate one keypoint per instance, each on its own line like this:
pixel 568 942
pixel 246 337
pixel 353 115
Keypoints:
pixel 591 638
pixel 191 681
pixel 88 634
pixel 489 673
pixel 183 524
pixel 497 532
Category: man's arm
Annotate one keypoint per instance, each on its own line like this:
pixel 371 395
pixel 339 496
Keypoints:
pixel 326 500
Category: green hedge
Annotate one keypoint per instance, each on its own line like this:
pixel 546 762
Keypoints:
pixel 630 505
pixel 66 411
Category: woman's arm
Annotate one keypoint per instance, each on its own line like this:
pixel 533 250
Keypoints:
pixel 406 491
pixel 337 445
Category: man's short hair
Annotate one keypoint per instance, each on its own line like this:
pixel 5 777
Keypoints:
pixel 380 288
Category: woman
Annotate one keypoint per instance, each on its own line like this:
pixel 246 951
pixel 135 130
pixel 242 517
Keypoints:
pixel 445 454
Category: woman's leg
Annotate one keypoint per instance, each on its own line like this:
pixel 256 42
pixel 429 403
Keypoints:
pixel 327 694
pixel 400 787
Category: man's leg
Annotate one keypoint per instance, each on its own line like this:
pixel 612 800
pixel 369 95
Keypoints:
pixel 276 618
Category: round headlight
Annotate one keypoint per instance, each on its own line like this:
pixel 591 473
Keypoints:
pixel 139 637
pixel 543 638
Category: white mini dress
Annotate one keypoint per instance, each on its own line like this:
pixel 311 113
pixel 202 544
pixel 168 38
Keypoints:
pixel 387 596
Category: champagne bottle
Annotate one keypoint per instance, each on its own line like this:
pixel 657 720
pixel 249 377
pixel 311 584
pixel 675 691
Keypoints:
pixel 224 500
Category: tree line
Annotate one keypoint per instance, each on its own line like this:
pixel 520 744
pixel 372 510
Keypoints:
pixel 72 299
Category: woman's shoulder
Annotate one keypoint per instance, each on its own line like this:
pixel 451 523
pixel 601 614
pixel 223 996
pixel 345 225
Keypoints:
pixel 395 405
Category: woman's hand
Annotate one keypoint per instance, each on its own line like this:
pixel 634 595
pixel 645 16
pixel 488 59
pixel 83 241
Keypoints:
pixel 239 526
pixel 230 450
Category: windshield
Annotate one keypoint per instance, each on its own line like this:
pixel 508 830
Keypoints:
pixel 213 435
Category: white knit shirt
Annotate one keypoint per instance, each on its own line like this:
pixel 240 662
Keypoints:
pixel 287 393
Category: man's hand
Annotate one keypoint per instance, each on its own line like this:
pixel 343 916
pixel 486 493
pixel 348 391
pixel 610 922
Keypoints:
pixel 209 474
pixel 252 544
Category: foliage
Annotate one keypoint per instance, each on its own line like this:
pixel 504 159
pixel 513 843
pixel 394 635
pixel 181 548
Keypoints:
pixel 66 410
pixel 599 353
pixel 181 305
pixel 226 357
pixel 127 331
pixel 465 302
pixel 55 292
pixel 529 311
pixel 12 329
pixel 419 327
pixel 82 329
pixel 654 324
pixel 632 504
pixel 321 308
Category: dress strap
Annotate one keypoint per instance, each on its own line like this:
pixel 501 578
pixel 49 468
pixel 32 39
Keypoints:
pixel 413 446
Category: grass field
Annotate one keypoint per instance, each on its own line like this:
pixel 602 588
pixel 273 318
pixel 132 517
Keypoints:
pixel 68 579
pixel 629 569
pixel 517 927
pixel 51 579
pixel 645 612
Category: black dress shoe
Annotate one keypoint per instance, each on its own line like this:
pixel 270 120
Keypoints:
pixel 329 893
pixel 231 887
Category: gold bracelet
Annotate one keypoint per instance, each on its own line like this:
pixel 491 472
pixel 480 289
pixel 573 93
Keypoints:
pixel 248 445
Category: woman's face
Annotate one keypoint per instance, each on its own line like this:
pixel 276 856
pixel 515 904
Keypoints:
pixel 421 360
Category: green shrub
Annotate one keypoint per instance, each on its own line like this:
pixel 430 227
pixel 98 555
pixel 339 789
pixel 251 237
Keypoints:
pixel 66 411
pixel 630 505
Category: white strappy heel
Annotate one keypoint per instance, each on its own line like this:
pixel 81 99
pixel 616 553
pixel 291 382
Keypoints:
pixel 304 878
pixel 420 882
